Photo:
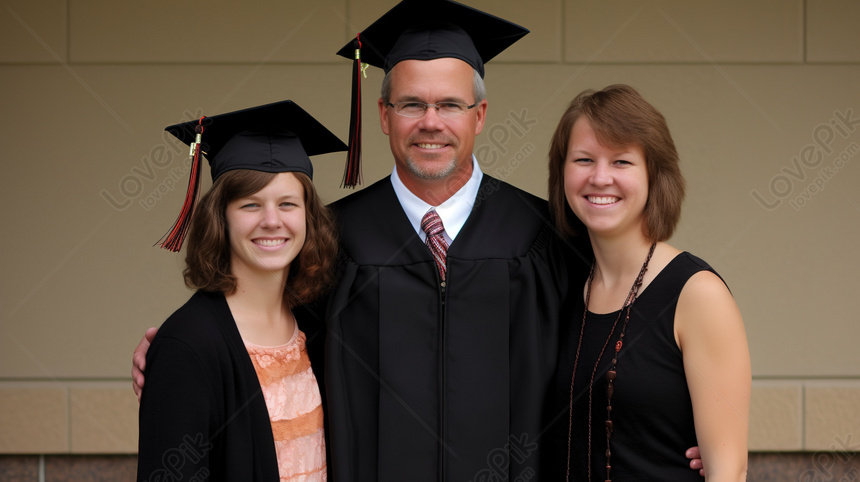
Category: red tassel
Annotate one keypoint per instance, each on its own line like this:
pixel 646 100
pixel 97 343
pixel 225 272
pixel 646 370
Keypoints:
pixel 352 172
pixel 173 239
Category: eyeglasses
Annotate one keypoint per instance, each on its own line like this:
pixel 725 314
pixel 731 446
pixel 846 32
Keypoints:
pixel 418 109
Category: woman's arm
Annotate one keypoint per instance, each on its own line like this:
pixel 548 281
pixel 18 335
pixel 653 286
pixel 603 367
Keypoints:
pixel 710 331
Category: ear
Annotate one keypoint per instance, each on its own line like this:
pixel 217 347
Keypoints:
pixel 482 115
pixel 383 115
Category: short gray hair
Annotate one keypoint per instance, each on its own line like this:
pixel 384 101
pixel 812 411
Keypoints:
pixel 479 89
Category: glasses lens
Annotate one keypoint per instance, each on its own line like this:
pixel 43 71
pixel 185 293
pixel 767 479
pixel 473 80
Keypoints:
pixel 450 109
pixel 418 109
pixel 410 109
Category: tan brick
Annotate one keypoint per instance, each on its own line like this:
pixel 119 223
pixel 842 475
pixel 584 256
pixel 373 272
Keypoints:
pixel 216 31
pixel 33 31
pixel 682 31
pixel 833 416
pixel 364 12
pixel 541 17
pixel 776 416
pixel 33 419
pixel 831 31
pixel 104 419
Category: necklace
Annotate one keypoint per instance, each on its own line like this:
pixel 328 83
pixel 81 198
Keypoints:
pixel 612 373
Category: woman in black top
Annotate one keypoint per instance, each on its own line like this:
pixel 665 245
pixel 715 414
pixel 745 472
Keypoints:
pixel 655 357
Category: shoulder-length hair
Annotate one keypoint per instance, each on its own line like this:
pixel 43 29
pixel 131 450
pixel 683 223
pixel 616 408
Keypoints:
pixel 620 117
pixel 207 257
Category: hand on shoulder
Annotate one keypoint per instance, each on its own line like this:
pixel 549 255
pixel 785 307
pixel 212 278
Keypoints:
pixel 138 361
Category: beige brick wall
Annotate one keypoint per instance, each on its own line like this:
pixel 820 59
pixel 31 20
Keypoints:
pixel 34 418
pixel 832 415
pixel 776 416
pixel 218 31
pixel 686 32
pixel 759 96
pixel 34 32
pixel 832 31
pixel 101 417
pixel 67 417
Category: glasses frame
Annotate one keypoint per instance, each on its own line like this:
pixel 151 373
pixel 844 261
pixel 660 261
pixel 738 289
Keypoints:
pixel 465 108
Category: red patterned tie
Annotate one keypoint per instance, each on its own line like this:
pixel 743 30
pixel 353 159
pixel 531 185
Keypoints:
pixel 431 223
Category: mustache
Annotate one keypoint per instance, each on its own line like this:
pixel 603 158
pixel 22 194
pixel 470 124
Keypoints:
pixel 432 140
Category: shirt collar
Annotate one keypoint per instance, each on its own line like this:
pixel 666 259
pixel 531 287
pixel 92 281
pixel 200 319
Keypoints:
pixel 453 212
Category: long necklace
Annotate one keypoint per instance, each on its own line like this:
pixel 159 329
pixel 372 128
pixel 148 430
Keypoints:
pixel 612 373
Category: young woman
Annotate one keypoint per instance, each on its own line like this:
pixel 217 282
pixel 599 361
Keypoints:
pixel 655 359
pixel 230 393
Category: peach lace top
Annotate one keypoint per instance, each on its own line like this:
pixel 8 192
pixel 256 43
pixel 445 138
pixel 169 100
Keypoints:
pixel 295 408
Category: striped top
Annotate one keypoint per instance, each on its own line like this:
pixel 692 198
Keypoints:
pixel 295 408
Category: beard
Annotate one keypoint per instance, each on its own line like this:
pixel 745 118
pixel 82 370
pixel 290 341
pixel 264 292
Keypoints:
pixel 430 174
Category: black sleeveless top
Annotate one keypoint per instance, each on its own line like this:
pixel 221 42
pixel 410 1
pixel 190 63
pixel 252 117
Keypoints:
pixel 651 407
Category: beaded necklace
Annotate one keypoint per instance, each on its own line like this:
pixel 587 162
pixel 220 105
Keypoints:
pixel 612 373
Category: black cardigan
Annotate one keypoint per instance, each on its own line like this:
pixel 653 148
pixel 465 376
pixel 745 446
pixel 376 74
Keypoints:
pixel 202 415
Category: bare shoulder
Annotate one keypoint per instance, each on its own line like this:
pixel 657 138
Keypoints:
pixel 704 287
pixel 707 312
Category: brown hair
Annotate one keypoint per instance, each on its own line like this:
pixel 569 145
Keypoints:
pixel 208 250
pixel 620 117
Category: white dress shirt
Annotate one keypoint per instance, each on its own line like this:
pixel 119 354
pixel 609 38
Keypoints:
pixel 453 212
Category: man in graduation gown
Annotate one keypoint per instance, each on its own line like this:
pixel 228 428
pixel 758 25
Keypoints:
pixel 437 365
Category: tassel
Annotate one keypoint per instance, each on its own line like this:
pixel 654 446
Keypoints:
pixel 352 172
pixel 172 241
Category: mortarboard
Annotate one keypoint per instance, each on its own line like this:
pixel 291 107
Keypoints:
pixel 421 30
pixel 276 137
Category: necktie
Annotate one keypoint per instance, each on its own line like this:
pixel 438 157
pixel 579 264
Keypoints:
pixel 431 223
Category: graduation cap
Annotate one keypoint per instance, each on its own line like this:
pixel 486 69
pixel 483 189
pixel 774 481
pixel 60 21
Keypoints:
pixel 421 30
pixel 276 137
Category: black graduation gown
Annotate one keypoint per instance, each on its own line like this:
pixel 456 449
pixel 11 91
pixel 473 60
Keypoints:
pixel 203 415
pixel 433 383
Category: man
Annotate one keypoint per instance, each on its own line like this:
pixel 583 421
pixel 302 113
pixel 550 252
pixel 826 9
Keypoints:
pixel 440 371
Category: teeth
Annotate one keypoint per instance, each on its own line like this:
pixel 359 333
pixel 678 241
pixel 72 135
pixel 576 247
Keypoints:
pixel 270 242
pixel 431 146
pixel 602 199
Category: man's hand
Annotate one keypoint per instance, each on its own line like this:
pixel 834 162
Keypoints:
pixel 138 361
pixel 695 460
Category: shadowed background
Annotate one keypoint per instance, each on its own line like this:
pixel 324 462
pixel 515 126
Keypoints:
pixel 761 97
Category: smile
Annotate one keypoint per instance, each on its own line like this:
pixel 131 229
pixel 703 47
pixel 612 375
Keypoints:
pixel 602 199
pixel 269 243
pixel 430 146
